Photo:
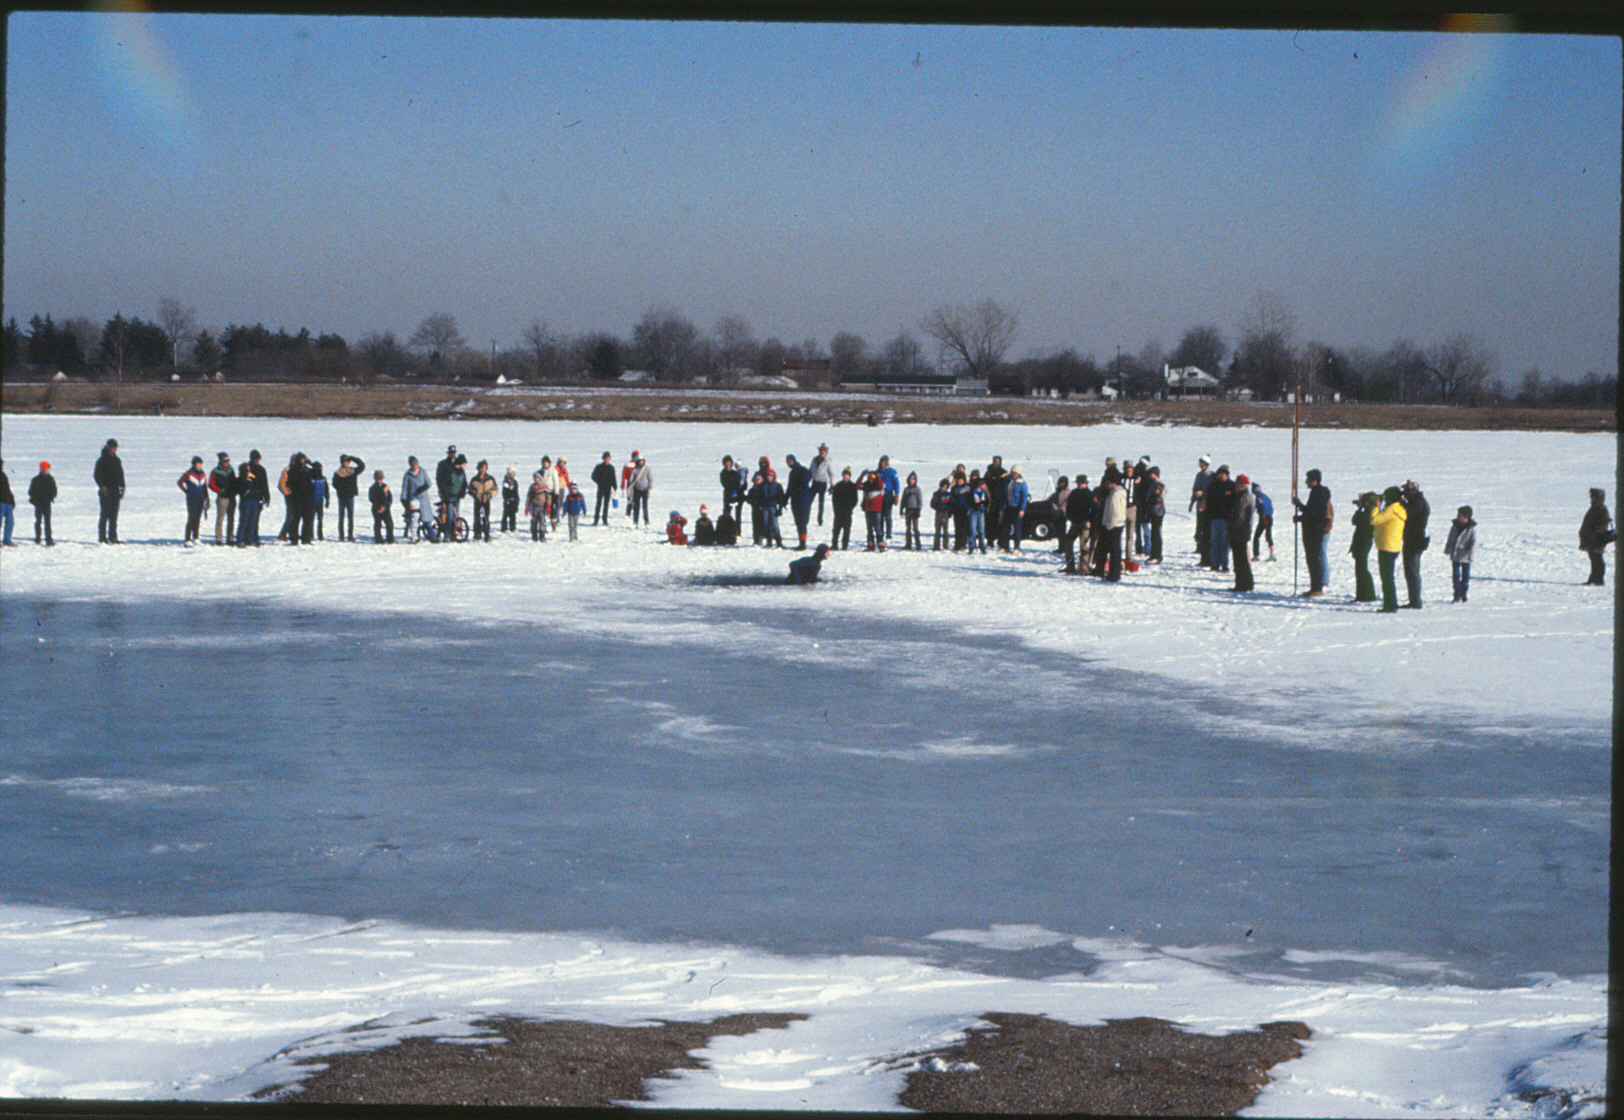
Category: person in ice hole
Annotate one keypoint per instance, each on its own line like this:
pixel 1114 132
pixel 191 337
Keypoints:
pixel 805 570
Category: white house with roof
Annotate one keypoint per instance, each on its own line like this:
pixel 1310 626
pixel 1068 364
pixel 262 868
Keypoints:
pixel 1190 381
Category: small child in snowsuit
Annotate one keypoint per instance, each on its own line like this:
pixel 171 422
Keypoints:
pixel 536 505
pixel 574 507
pixel 704 529
pixel 1459 548
pixel 674 529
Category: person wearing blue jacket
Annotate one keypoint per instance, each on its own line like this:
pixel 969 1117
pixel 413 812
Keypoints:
pixel 893 491
pixel 321 498
pixel 1017 495
pixel 1265 521
pixel 414 496
pixel 805 570
pixel 574 507
pixel 772 498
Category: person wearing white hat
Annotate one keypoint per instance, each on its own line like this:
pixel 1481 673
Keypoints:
pixel 1198 502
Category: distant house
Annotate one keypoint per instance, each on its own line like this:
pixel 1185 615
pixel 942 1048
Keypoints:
pixel 966 386
pixel 635 375
pixel 810 373
pixel 928 384
pixel 1190 381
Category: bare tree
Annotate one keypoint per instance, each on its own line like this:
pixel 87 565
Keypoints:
pixel 846 352
pixel 736 346
pixel 666 343
pixel 437 337
pixel 1459 366
pixel 178 323
pixel 1264 361
pixel 545 345
pixel 979 334
pixel 1203 347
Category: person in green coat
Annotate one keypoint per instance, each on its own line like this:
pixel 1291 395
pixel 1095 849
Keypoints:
pixel 1363 538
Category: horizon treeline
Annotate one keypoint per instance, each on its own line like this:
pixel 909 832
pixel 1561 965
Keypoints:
pixel 665 346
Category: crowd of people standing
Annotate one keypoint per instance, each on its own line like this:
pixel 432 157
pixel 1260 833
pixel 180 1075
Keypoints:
pixel 1103 529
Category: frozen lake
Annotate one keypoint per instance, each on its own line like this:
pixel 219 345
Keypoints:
pixel 1395 828
pixel 243 756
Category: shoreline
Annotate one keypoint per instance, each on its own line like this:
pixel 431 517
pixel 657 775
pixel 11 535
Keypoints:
pixel 1007 1063
pixel 399 401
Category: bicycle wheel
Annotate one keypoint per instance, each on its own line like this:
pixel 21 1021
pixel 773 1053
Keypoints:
pixel 459 530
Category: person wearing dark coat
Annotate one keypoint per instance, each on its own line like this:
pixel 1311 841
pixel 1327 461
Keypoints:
pixel 727 529
pixel 732 480
pixel 771 503
pixel 223 485
pixel 1595 534
pixel 1080 514
pixel 704 528
pixel 941 503
pixel 8 506
pixel 1416 512
pixel 1364 538
pixel 1155 510
pixel 805 570
pixel 1220 501
pixel 843 500
pixel 603 477
pixel 346 483
pixel 798 492
pixel 253 495
pixel 1314 516
pixel 41 493
pixel 510 502
pixel 383 518
pixel 109 476
pixel 301 500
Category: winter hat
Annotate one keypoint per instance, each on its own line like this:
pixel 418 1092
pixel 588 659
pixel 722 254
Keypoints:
pixel 702 507
pixel 1243 481
pixel 1464 511
pixel 222 455
pixel 1597 494
pixel 197 460
pixel 44 466
pixel 1205 459
pixel 1392 494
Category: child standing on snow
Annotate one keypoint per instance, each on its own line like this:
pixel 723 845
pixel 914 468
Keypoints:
pixel 536 506
pixel 383 521
pixel 41 493
pixel 1459 547
pixel 574 507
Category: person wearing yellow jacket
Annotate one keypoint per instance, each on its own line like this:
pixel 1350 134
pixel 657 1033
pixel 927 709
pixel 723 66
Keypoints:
pixel 1388 525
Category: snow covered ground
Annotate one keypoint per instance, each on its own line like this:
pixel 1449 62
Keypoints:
pixel 1218 809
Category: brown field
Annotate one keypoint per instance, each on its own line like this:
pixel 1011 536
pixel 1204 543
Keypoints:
pixel 308 401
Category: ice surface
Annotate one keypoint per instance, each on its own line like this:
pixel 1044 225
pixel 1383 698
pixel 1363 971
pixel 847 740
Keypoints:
pixel 612 757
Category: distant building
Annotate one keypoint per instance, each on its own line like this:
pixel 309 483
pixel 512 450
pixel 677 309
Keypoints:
pixel 810 373
pixel 927 384
pixel 1190 381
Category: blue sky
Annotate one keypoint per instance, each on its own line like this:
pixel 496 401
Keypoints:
pixel 355 174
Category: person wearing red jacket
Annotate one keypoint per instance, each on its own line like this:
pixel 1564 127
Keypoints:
pixel 195 485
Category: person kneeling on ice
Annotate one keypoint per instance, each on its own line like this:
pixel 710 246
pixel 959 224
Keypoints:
pixel 673 529
pixel 805 570
pixel 727 528
pixel 704 528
